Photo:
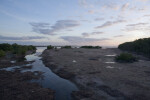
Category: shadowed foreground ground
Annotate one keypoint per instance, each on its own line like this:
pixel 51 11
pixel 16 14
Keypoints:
pixel 98 77
pixel 16 85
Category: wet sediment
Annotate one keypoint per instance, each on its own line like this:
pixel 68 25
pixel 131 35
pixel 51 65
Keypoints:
pixel 16 85
pixel 95 79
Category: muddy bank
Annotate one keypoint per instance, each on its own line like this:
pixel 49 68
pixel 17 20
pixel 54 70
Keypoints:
pixel 14 60
pixel 16 86
pixel 97 74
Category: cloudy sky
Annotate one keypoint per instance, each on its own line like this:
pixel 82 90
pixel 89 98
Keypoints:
pixel 74 22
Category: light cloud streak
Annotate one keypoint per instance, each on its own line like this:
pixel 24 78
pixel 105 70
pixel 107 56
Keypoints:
pixel 45 28
pixel 90 34
pixel 110 23
pixel 77 39
pixel 21 38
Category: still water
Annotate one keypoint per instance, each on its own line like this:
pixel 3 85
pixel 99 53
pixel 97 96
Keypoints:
pixel 62 87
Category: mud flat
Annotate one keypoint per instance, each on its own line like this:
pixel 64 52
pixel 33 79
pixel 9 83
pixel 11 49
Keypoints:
pixel 14 60
pixel 98 76
pixel 18 85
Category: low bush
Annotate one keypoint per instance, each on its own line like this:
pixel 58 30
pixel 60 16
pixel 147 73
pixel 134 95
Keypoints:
pixel 16 49
pixel 67 47
pixel 140 46
pixel 50 47
pixel 91 47
pixel 5 47
pixel 30 47
pixel 2 53
pixel 125 57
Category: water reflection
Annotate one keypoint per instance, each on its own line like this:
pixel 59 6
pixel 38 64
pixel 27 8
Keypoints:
pixel 109 67
pixel 111 55
pixel 109 62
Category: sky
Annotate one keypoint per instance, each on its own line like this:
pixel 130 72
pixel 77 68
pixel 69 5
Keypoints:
pixel 74 22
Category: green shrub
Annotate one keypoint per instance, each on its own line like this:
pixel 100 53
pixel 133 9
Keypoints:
pixel 125 57
pixel 91 47
pixel 50 47
pixel 67 47
pixel 20 50
pixel 140 46
pixel 5 47
pixel 16 49
pixel 30 47
pixel 2 53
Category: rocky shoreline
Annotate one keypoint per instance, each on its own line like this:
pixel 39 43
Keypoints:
pixel 98 79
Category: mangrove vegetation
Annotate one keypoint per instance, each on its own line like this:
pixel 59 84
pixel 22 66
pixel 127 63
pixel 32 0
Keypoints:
pixel 125 57
pixel 140 46
pixel 91 47
pixel 15 49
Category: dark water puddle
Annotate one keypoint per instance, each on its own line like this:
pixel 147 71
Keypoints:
pixel 109 62
pixel 113 55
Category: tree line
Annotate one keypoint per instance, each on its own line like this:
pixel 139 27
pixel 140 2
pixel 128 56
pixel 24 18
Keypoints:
pixel 140 46
pixel 15 49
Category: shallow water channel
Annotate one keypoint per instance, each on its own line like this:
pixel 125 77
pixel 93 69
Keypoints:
pixel 62 87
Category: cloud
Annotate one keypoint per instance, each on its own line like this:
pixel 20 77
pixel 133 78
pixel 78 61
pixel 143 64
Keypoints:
pixel 40 25
pixel 86 21
pixel 45 28
pixel 89 34
pixel 99 19
pixel 143 0
pixel 36 43
pixel 110 23
pixel 119 36
pixel 69 30
pixel 111 7
pixel 137 27
pixel 83 3
pixel 77 39
pixel 94 33
pixel 64 24
pixel 20 38
pixel 146 16
pixel 42 28
pixel 137 24
pixel 91 11
pixel 85 34
pixel 125 6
